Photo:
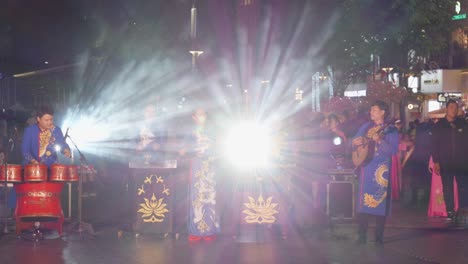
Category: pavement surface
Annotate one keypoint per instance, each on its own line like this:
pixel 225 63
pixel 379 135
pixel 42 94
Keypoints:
pixel 410 237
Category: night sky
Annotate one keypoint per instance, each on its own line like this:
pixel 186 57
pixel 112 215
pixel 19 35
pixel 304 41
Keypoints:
pixel 56 31
pixel 37 35
pixel 33 32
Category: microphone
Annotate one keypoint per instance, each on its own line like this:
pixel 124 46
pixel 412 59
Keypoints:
pixel 11 144
pixel 66 134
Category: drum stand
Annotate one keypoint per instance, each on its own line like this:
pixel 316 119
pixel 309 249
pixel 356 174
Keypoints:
pixel 81 226
pixel 5 186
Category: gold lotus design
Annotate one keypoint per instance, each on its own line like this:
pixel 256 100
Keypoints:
pixel 260 211
pixel 153 210
pixel 379 178
pixel 372 202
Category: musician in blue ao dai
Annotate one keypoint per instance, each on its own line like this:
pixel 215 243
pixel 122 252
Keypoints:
pixel 374 178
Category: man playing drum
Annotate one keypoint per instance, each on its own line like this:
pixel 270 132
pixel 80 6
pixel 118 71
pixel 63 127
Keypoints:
pixel 43 140
pixel 40 144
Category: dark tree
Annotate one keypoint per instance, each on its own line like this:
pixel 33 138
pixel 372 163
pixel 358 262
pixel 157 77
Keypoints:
pixel 407 35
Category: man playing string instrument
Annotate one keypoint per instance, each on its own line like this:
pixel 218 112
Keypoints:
pixel 374 179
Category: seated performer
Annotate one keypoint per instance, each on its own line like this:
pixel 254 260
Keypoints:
pixel 43 140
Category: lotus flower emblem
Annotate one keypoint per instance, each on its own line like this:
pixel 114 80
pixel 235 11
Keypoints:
pixel 260 211
pixel 153 210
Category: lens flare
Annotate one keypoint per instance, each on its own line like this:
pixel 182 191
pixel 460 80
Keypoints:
pixel 58 148
pixel 248 145
pixel 337 141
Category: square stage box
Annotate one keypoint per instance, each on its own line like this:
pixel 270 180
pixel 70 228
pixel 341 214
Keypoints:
pixel 340 200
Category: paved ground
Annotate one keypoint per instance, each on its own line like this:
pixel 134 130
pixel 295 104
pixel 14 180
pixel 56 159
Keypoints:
pixel 402 246
pixel 410 238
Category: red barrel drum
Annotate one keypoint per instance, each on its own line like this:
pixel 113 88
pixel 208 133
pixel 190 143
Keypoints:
pixel 59 173
pixel 35 173
pixel 38 202
pixel 13 173
pixel 73 173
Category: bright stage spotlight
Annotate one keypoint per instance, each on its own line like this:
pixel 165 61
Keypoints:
pixel 337 141
pixel 86 130
pixel 58 148
pixel 248 145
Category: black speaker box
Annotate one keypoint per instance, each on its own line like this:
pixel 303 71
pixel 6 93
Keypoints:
pixel 340 199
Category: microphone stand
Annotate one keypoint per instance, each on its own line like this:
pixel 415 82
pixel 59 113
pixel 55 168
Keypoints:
pixel 82 226
pixel 5 184
pixel 5 188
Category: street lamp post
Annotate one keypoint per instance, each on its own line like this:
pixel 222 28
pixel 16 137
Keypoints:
pixel 193 36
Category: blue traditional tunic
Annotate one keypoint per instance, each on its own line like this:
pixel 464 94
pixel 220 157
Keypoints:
pixel 40 145
pixel 202 216
pixel 374 181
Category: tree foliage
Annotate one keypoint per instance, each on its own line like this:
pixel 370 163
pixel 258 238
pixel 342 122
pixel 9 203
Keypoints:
pixel 389 29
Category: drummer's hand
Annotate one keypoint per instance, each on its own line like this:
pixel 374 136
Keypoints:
pixel 67 153
pixel 34 162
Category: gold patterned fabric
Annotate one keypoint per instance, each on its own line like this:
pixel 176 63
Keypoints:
pixel 44 140
pixel 203 219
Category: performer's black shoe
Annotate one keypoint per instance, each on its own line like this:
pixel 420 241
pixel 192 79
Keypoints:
pixel 451 216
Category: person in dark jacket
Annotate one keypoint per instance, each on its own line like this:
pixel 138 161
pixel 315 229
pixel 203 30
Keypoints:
pixel 450 137
pixel 417 165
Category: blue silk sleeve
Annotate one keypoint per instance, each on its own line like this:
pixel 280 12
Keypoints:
pixel 362 130
pixel 388 146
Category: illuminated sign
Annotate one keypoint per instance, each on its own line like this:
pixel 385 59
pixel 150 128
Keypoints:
pixel 458 16
pixel 355 93
pixel 432 81
pixel 444 97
